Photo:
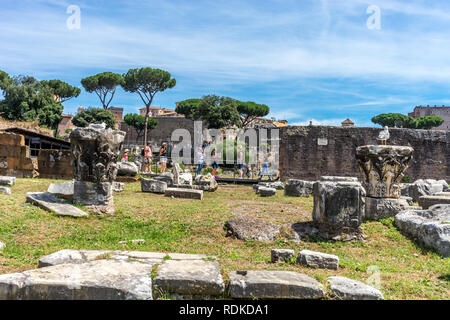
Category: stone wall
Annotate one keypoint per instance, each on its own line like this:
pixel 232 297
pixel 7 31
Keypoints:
pixel 162 132
pixel 55 164
pixel 15 156
pixel 313 151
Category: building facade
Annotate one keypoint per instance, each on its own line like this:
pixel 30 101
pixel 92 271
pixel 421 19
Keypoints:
pixel 443 112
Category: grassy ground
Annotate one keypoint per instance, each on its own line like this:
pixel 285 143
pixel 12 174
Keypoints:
pixel 406 270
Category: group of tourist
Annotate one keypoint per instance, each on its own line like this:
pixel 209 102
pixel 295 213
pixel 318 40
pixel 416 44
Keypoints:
pixel 243 166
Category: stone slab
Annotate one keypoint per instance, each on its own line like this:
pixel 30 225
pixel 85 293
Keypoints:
pixel 348 289
pixel 94 280
pixel 51 203
pixel 274 285
pixel 184 193
pixel 82 256
pixel 428 201
pixel 318 260
pixel 430 227
pixel 245 227
pixel 188 278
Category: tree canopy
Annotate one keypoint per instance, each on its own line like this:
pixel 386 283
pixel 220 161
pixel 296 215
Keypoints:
pixel 147 82
pixel 250 110
pixel 428 122
pixel 221 112
pixel 398 120
pixel 62 90
pixel 94 115
pixel 189 108
pixel 138 122
pixel 27 99
pixel 103 84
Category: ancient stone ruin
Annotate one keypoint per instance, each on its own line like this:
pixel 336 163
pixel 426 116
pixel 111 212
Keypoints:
pixel 382 168
pixel 95 150
pixel 338 208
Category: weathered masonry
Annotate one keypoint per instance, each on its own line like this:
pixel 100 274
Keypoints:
pixel 314 151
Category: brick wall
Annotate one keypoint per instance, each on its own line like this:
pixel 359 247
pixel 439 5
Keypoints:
pixel 15 156
pixel 310 152
pixel 55 164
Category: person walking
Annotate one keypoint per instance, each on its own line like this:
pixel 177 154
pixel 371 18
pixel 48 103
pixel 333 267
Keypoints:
pixel 214 164
pixel 163 157
pixel 147 158
pixel 265 167
pixel 200 159
pixel 240 161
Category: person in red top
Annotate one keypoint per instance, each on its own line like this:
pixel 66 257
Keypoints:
pixel 125 156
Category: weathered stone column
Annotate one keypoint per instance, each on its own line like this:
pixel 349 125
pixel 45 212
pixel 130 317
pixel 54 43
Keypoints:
pixel 382 168
pixel 95 152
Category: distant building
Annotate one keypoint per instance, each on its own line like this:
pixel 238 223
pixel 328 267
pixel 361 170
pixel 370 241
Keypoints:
pixel 159 112
pixel 118 115
pixel 443 112
pixel 348 123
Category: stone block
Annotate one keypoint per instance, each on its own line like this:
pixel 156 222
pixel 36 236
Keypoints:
pixel 266 192
pixel 152 185
pixel 184 193
pixel 338 204
pixel 166 177
pixel 274 285
pixel 188 278
pixel 298 188
pixel 380 208
pixel 7 181
pixel 281 255
pixel 318 260
pixel 62 189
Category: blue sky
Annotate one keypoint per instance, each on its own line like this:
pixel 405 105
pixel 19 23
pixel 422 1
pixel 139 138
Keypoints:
pixel 307 60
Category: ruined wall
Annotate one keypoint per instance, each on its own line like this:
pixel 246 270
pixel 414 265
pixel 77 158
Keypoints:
pixel 310 152
pixel 15 157
pixel 162 132
pixel 55 164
